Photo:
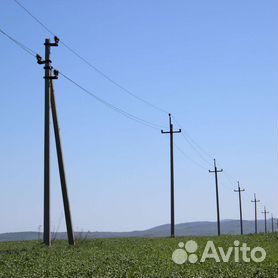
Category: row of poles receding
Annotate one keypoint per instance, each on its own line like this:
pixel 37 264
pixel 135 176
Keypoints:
pixel 50 108
pixel 57 136
pixel 239 190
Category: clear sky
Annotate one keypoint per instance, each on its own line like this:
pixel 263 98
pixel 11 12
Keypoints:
pixel 213 64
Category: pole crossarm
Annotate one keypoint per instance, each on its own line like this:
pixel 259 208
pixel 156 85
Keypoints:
pixel 265 212
pixel 239 189
pixel 174 131
pixel 255 199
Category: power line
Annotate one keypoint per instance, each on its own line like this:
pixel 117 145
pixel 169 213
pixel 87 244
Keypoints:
pixel 202 152
pixel 198 149
pixel 195 162
pixel 100 72
pixel 195 149
pixel 188 138
pixel 130 116
pixel 119 110
pixel 35 18
pixel 229 186
pixel 113 81
pixel 229 178
pixel 189 158
pixel 21 45
pixel 113 107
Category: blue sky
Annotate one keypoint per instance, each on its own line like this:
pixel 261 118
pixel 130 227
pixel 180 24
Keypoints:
pixel 213 64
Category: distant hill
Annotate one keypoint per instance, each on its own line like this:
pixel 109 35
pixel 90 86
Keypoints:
pixel 202 228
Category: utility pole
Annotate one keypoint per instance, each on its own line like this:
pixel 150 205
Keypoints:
pixel 47 70
pixel 172 187
pixel 265 213
pixel 50 102
pixel 61 162
pixel 239 190
pixel 255 201
pixel 272 223
pixel 216 171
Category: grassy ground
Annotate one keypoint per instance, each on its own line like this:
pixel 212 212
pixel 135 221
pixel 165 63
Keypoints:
pixel 132 257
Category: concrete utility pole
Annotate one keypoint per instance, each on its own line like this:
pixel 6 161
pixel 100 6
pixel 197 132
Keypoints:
pixel 265 213
pixel 61 164
pixel 272 223
pixel 255 201
pixel 47 70
pixel 216 171
pixel 50 101
pixel 172 187
pixel 239 190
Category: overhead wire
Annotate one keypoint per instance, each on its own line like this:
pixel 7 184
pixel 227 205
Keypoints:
pixel 34 17
pixel 113 107
pixel 194 145
pixel 188 157
pixel 203 154
pixel 188 138
pixel 21 45
pixel 107 77
pixel 107 104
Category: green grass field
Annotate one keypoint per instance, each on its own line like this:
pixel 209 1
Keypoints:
pixel 131 257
